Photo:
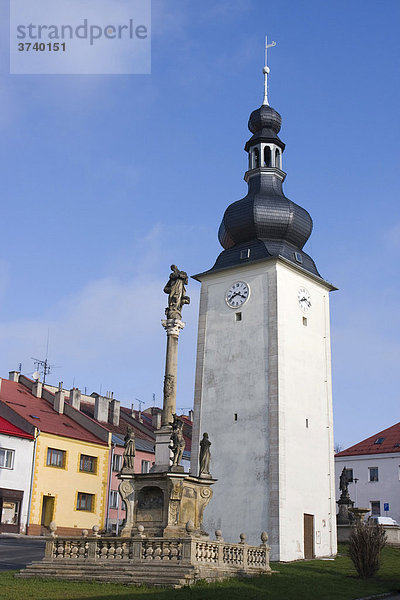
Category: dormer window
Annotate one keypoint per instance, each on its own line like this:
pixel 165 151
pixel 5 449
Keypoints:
pixel 267 156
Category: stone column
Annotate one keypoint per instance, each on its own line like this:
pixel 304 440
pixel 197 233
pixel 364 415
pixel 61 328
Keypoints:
pixel 172 327
pixel 163 435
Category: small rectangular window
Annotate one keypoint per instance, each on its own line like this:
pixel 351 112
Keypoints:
pixel 235 417
pixel 85 502
pixel 298 257
pixel 88 463
pixel 6 458
pixel 373 473
pixel 307 423
pixel 145 466
pixel 238 316
pixel 349 473
pixel 116 466
pixel 114 499
pixel 305 321
pixel 55 458
pixel 245 254
pixel 375 508
pixel 379 440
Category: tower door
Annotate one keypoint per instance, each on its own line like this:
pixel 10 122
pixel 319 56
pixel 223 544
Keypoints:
pixel 308 536
pixel 47 510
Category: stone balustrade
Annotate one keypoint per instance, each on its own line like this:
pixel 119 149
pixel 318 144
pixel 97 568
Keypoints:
pixel 194 551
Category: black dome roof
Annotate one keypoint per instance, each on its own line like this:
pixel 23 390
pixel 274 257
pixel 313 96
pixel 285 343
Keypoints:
pixel 265 223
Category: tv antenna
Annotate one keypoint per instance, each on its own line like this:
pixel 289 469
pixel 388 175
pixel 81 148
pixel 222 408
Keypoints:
pixel 42 366
pixel 140 403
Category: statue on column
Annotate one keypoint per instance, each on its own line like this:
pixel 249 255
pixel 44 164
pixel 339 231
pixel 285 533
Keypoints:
pixel 175 288
pixel 204 457
pixel 129 449
pixel 177 441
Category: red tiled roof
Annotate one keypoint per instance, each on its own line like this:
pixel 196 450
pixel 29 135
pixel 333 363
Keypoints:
pixel 40 413
pixel 10 429
pixel 121 429
pixel 384 442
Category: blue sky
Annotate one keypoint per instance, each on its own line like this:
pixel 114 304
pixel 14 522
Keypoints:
pixel 107 180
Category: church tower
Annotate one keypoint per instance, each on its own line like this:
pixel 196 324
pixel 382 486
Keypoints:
pixel 263 374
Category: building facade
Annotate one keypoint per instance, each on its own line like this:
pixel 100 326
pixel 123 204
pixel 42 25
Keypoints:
pixel 70 463
pixel 16 463
pixel 374 474
pixel 263 374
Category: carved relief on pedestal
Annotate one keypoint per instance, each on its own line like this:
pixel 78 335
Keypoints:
pixel 169 381
pixel 126 492
pixel 205 497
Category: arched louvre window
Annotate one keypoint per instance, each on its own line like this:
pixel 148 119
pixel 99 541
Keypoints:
pixel 267 156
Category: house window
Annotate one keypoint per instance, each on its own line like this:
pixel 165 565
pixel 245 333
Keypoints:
pixel 373 473
pixel 375 508
pixel 114 499
pixel 88 463
pixel 55 458
pixel 349 473
pixel 116 466
pixel 145 466
pixel 6 458
pixel 85 502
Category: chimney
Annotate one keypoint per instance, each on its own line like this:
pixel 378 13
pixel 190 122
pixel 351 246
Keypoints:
pixel 59 399
pixel 114 412
pixel 191 415
pixel 37 389
pixel 13 376
pixel 156 417
pixel 101 409
pixel 75 398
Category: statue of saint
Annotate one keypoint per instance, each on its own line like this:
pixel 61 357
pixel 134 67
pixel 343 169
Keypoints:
pixel 129 449
pixel 177 441
pixel 205 456
pixel 344 483
pixel 175 288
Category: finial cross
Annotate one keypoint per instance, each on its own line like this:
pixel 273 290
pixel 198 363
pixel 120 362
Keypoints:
pixel 266 71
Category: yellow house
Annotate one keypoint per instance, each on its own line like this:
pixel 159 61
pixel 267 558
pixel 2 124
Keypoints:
pixel 71 462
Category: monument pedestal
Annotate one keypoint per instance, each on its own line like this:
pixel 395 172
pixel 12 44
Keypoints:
pixel 162 449
pixel 343 518
pixel 168 504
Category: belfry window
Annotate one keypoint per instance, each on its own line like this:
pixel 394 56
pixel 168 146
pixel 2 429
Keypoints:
pixel 277 159
pixel 256 158
pixel 267 156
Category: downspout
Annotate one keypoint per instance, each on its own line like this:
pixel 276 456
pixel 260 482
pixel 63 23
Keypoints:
pixel 109 486
pixel 36 435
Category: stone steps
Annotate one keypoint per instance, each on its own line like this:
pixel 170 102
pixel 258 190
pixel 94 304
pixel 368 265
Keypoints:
pixel 154 574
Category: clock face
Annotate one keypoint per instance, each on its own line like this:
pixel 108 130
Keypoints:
pixel 304 299
pixel 237 294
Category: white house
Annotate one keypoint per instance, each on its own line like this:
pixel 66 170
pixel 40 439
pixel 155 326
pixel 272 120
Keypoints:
pixel 375 465
pixel 16 463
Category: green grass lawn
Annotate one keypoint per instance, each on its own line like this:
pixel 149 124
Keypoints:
pixel 308 580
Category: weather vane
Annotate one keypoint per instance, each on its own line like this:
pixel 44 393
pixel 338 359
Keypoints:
pixel 266 71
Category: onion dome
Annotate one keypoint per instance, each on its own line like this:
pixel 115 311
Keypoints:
pixel 265 223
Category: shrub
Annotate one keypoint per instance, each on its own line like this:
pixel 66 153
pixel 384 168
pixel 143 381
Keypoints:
pixel 366 543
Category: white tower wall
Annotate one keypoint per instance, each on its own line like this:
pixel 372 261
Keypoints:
pixel 257 381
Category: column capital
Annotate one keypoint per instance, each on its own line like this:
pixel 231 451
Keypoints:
pixel 172 326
